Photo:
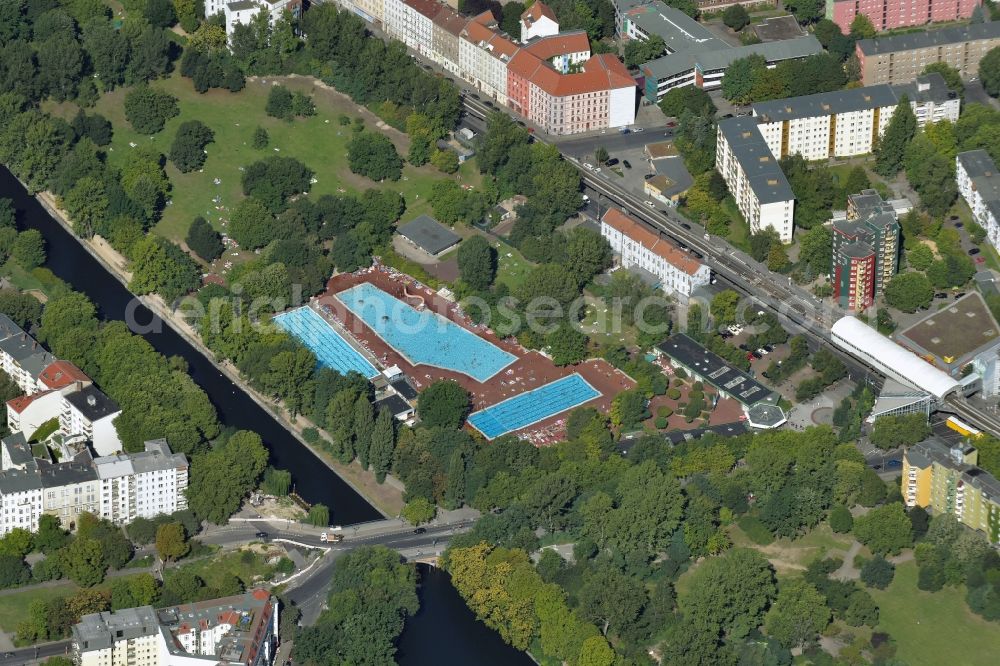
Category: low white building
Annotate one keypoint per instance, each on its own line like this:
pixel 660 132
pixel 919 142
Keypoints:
pixel 538 20
pixel 242 629
pixel 979 184
pixel 242 12
pixel 25 414
pixel 638 247
pixel 89 413
pixel 751 172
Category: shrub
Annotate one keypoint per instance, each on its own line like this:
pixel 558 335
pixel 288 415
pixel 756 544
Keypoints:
pixel 681 372
pixel 661 422
pixel 878 573
pixel 698 386
pixel 665 412
pixel 673 393
pixel 311 435
pixel 841 520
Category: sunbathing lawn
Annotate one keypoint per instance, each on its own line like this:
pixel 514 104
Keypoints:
pixel 512 267
pixel 791 556
pixel 934 628
pixel 319 142
pixel 14 606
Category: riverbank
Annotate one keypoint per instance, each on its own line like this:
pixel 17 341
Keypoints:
pixel 387 498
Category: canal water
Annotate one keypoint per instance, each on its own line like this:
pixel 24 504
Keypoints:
pixel 444 632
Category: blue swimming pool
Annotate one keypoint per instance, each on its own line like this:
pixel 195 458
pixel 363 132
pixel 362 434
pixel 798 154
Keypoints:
pixel 331 350
pixel 532 406
pixel 424 337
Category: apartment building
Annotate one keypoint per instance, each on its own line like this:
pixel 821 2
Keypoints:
pixel 946 479
pixel 119 488
pixel 892 14
pixel 751 172
pixel 412 22
pixel 446 34
pixel 865 250
pixel 483 56
pixel 242 12
pixel 600 95
pixel 89 413
pixel 21 356
pixel 242 629
pixel 142 485
pixel 538 20
pixel 637 247
pixel 979 184
pixel 27 413
pixel 930 98
pixel 902 58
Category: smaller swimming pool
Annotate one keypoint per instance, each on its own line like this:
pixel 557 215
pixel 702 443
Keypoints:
pixel 332 351
pixel 533 406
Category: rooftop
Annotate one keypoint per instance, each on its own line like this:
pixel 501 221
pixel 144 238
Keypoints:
pixel 824 104
pixel 21 403
pixel 21 346
pixel 429 235
pixel 714 55
pixel 950 337
pixel 564 43
pixel 92 403
pixel 778 27
pixel 649 239
pixel 600 72
pixel 936 450
pixel 536 11
pixel 98 631
pixel 920 40
pixel 927 88
pixel 61 374
pixel 677 29
pixel 985 177
pixel 428 8
pixel 395 404
pixel 715 370
pixel 758 163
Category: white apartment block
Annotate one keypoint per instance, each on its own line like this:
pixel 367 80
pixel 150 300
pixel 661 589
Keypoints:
pixel 638 247
pixel 755 180
pixel 847 123
pixel 979 184
pixel 241 629
pixel 538 20
pixel 119 488
pixel 412 22
pixel 142 485
pixel 21 356
pixel 483 55
pixel 89 413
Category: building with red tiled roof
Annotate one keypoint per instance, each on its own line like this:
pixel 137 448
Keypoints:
pixel 538 20
pixel 61 374
pixel 566 51
pixel 483 56
pixel 601 95
pixel 636 246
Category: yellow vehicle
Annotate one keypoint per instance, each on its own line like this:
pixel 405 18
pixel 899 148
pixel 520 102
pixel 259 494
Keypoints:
pixel 962 428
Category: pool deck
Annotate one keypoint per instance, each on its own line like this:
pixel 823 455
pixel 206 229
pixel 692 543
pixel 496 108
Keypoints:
pixel 529 371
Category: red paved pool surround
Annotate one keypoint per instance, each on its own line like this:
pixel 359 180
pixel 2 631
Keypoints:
pixel 529 371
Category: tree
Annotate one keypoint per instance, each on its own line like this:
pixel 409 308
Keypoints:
pixel 862 28
pixel 610 598
pixel 221 478
pixel 279 103
pixel 806 11
pixel 50 536
pixel 319 515
pixel 921 257
pixel 989 71
pixel 445 161
pixel 567 345
pixel 273 179
pixel 187 152
pixel 841 520
pixel 373 156
pixel 736 17
pixel 477 262
pixel 29 249
pixel 148 109
pixel 587 254
pixel 691 98
pixel 885 529
pixel 13 571
pixel 260 138
pixel 628 409
pixel 797 615
pixel 909 292
pixel 419 511
pixel 83 562
pixel 877 572
pixel 894 431
pixel 638 51
pixel 252 225
pixel 383 444
pixel 741 77
pixel 727 595
pixel 724 305
pixel 897 136
pixel 203 240
pixel 160 266
pixel 443 404
pixel 951 77
pixel 171 542
pixel 364 427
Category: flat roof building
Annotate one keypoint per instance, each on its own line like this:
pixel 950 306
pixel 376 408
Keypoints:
pixel 893 14
pixel 902 58
pixel 429 235
pixel 961 334
pixel 754 178
pixel 979 184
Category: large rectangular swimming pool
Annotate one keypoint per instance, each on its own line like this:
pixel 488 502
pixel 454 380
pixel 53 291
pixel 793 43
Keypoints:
pixel 533 406
pixel 332 351
pixel 424 337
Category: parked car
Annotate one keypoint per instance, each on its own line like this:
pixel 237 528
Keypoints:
pixel 980 260
pixel 625 130
pixel 725 335
pixel 762 351
pixel 638 129
pixel 420 530
pixel 686 226
pixel 649 203
pixel 648 176
pixel 940 294
pixel 893 463
pixel 959 225
pixel 754 355
pixel 588 166
pixel 261 535
pixel 626 164
pixel 769 348
pixel 974 251
pixel 959 295
pixel 611 162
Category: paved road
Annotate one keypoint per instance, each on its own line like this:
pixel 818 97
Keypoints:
pixel 613 142
pixel 36 653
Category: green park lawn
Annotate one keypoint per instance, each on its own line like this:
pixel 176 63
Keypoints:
pixel 14 606
pixel 512 267
pixel 934 628
pixel 319 142
pixel 213 569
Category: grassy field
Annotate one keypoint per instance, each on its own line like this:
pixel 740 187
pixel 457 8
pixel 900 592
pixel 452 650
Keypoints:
pixel 319 142
pixel 512 267
pixel 14 607
pixel 934 628
pixel 791 556
pixel 213 569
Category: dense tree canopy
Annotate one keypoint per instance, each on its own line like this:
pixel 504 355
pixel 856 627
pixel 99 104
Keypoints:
pixel 443 404
pixel 148 109
pixel 373 155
